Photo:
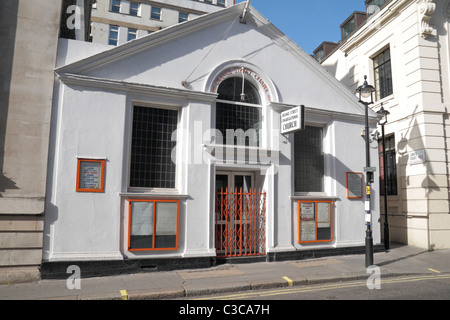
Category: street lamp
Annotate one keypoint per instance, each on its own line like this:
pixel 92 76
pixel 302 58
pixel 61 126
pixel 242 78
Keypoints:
pixel 366 91
pixel 384 114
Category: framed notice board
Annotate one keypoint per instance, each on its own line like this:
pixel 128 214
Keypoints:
pixel 315 221
pixel 354 185
pixel 90 175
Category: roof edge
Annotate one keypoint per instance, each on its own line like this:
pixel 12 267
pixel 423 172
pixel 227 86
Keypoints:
pixel 151 40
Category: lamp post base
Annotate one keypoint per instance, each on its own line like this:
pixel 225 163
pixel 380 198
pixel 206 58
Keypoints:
pixel 369 247
pixel 386 236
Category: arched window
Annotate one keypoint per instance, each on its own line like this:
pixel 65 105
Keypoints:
pixel 238 112
pixel 231 90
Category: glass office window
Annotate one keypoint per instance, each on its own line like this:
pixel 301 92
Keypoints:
pixel 135 9
pixel 390 172
pixel 113 35
pixel 383 74
pixel 183 16
pixel 132 34
pixel 155 13
pixel 115 5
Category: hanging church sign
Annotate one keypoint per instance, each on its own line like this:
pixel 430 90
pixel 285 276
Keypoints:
pixel 293 120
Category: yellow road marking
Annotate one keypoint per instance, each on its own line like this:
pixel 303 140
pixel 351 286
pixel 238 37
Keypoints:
pixel 434 270
pixel 312 288
pixel 289 281
pixel 124 294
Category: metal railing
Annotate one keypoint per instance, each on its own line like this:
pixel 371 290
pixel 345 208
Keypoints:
pixel 240 223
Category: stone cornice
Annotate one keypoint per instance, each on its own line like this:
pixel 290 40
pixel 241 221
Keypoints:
pixel 375 23
pixel 112 84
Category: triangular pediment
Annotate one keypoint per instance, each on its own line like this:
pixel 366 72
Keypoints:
pixel 189 56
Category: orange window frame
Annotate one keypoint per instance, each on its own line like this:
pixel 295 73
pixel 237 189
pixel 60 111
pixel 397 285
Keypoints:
pixel 361 193
pixel 299 221
pixel 154 224
pixel 101 178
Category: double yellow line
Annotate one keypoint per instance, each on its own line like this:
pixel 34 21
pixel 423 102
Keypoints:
pixel 313 288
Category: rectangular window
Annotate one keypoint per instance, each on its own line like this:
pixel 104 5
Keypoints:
pixel 309 163
pixel 348 28
pixel 132 34
pixel 90 175
pixel 115 5
pixel 153 225
pixel 135 9
pixel 113 35
pixel 155 13
pixel 152 160
pixel 183 16
pixel 319 55
pixel 314 221
pixel 239 124
pixel 383 74
pixel 390 173
pixel 221 3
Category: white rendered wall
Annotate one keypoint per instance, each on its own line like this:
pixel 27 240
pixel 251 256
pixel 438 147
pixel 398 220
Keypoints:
pixel 93 120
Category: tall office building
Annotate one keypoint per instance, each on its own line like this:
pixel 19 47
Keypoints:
pixel 118 21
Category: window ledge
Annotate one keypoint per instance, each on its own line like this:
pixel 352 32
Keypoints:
pixel 233 154
pixel 212 147
pixel 314 197
pixel 153 195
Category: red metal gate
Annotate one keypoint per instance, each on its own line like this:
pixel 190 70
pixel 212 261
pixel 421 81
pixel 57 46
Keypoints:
pixel 240 223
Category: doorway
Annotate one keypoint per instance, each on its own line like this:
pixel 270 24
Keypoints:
pixel 240 215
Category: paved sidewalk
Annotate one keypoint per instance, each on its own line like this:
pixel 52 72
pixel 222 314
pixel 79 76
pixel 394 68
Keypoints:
pixel 398 261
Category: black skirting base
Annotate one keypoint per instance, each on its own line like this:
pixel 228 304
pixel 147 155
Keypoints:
pixel 89 269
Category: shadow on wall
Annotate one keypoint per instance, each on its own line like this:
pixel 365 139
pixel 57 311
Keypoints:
pixel 8 10
pixel 350 79
pixel 412 140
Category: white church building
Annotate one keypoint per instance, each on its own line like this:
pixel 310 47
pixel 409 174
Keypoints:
pixel 169 151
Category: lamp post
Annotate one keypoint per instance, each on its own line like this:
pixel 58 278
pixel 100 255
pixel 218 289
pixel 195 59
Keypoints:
pixel 384 113
pixel 366 91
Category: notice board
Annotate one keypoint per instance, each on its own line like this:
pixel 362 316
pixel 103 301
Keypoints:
pixel 90 175
pixel 354 185
pixel 315 221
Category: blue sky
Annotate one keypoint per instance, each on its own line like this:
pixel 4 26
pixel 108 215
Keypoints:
pixel 308 23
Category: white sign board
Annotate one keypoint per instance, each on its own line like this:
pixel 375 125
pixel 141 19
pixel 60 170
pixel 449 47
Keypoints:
pixel 293 120
pixel 417 157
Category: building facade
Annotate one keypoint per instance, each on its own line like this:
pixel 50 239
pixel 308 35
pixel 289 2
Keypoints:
pixel 118 21
pixel 171 149
pixel 403 48
pixel 26 92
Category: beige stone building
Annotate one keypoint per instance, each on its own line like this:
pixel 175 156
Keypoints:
pixel 118 21
pixel 27 60
pixel 403 46
pixel 30 30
